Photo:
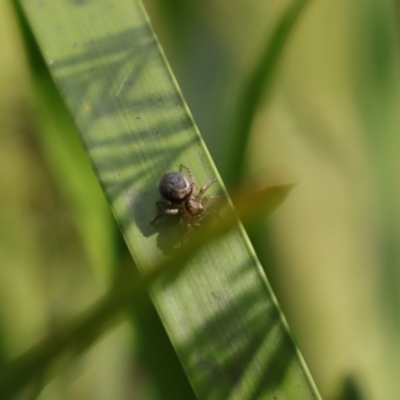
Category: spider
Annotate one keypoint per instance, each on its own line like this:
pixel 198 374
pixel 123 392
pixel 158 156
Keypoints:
pixel 178 192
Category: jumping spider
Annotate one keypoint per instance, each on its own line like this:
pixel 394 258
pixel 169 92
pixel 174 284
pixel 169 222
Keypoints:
pixel 178 192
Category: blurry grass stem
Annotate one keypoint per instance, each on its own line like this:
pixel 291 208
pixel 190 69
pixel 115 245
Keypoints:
pixel 255 89
pixel 80 332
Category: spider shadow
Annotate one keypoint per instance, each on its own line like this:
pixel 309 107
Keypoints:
pixel 169 237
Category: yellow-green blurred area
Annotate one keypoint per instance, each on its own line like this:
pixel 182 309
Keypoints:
pixel 329 123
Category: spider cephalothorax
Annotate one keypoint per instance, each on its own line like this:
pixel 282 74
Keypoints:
pixel 179 196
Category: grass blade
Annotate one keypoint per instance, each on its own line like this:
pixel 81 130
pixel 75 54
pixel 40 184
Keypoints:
pixel 219 312
pixel 259 82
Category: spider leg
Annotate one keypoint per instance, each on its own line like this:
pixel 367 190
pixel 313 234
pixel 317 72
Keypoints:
pixel 191 177
pixel 169 211
pixel 205 187
pixel 185 229
pixel 212 211
pixel 205 199
pixel 164 203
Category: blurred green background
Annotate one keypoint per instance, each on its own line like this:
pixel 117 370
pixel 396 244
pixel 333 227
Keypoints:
pixel 328 122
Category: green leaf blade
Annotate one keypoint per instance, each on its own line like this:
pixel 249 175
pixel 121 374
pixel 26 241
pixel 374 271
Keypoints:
pixel 220 312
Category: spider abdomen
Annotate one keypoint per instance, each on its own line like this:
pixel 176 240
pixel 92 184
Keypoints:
pixel 175 187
